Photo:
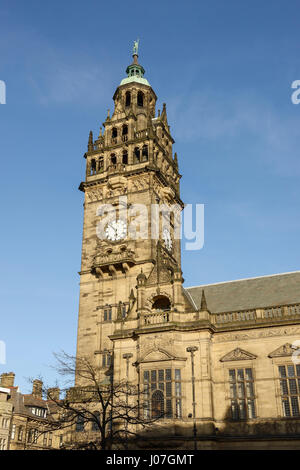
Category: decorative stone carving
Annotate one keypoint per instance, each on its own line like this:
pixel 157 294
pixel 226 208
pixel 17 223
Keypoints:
pixel 237 355
pixel 284 350
pixel 253 334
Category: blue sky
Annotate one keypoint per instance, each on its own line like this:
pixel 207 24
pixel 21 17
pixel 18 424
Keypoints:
pixel 225 70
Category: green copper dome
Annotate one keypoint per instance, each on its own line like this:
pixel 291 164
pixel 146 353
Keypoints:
pixel 135 72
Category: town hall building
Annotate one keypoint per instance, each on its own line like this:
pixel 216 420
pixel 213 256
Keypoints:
pixel 219 362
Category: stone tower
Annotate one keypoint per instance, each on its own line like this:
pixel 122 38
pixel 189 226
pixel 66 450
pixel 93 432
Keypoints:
pixel 128 273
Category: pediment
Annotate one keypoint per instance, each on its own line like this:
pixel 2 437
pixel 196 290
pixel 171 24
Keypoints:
pixel 284 350
pixel 238 354
pixel 159 355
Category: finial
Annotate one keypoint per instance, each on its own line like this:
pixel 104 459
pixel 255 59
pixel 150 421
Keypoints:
pixel 90 143
pixel 108 116
pixel 176 159
pixel 203 301
pixel 100 132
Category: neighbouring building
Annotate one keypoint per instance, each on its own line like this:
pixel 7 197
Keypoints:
pixel 24 418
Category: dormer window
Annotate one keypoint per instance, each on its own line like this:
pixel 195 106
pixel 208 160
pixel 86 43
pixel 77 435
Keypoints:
pixel 41 412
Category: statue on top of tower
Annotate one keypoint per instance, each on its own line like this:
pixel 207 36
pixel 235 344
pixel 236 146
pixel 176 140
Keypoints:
pixel 135 47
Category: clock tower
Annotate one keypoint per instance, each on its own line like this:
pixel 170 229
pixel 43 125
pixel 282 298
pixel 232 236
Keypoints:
pixel 130 274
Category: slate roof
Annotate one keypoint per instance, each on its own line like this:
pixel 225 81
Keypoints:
pixel 247 294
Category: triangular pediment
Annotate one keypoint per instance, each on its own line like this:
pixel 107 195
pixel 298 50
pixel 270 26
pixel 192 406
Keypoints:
pixel 284 350
pixel 238 354
pixel 159 355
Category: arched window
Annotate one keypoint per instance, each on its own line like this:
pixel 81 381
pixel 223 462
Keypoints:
pixel 157 404
pixel 113 159
pixel 140 99
pixel 93 166
pixel 145 153
pixel 137 156
pixel 127 98
pixel 161 303
pixel 124 129
pixel 114 135
pixel 125 157
pixel 101 164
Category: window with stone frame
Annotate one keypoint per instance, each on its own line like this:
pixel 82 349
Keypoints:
pixel 107 313
pixel 162 393
pixel 289 381
pixel 241 383
pixel 13 432
pixel 20 433
pixel 106 359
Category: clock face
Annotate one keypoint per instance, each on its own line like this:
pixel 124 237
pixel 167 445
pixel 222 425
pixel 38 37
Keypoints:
pixel 116 230
pixel 167 239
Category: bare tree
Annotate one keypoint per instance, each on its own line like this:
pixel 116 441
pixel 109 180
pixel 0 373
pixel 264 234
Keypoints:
pixel 97 413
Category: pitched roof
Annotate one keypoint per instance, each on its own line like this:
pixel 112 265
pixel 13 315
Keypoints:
pixel 246 294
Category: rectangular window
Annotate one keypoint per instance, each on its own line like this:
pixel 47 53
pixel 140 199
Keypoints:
pixel 13 432
pixel 20 433
pixel 106 359
pixel 241 389
pixel 107 314
pixel 162 393
pixel 289 381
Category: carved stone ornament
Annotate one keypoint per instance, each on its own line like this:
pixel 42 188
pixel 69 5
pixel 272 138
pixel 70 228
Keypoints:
pixel 284 350
pixel 237 355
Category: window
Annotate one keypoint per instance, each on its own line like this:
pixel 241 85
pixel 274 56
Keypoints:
pixel 242 394
pixel 145 153
pixel 95 425
pixel 106 359
pixel 2 444
pixel 124 311
pixel 114 135
pixel 113 159
pixel 5 423
pixel 290 389
pixel 107 314
pixel 50 439
pixel 13 432
pixel 137 155
pixel 162 389
pixel 79 424
pixel 93 166
pixel 125 157
pixel 101 164
pixel 32 436
pixel 127 98
pixel 140 99
pixel 161 304
pixel 20 433
pixel 45 439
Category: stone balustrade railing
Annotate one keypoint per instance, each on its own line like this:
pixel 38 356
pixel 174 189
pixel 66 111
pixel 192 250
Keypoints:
pixel 262 314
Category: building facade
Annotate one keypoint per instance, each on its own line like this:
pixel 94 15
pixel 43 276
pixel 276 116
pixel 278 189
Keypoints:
pixel 25 419
pixel 219 361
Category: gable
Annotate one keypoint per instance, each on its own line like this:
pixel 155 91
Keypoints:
pixel 284 350
pixel 238 354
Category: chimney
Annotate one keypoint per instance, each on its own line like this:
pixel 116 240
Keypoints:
pixel 7 379
pixel 53 394
pixel 37 388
